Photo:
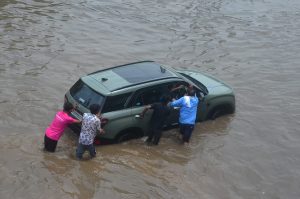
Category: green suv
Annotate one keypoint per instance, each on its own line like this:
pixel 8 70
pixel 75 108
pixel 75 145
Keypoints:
pixel 123 92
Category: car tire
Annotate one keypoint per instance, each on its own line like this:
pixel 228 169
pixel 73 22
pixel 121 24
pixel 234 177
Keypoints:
pixel 124 137
pixel 219 111
pixel 216 113
pixel 128 135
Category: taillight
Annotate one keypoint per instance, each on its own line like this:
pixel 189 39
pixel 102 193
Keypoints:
pixel 97 141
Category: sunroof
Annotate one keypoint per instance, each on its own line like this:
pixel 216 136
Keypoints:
pixel 142 72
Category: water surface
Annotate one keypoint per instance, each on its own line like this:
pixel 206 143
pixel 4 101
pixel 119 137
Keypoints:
pixel 253 45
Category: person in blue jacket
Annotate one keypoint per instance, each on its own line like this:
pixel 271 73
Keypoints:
pixel 188 111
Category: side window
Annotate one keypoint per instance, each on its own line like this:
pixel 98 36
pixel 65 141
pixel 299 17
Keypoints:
pixel 115 103
pixel 177 89
pixel 148 96
pixel 199 93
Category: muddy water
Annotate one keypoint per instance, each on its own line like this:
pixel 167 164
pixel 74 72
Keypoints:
pixel 253 45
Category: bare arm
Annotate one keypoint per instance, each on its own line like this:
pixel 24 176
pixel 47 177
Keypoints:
pixel 145 110
pixel 177 88
pixel 101 131
pixel 77 121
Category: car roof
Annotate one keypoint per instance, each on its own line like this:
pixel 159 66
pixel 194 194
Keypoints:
pixel 128 75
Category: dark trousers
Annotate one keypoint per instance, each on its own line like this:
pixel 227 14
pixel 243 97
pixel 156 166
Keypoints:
pixel 154 136
pixel 186 131
pixel 81 148
pixel 49 144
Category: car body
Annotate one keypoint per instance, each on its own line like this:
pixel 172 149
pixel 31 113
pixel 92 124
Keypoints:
pixel 124 91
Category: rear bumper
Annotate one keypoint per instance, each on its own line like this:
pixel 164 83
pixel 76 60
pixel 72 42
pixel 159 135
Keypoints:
pixel 75 128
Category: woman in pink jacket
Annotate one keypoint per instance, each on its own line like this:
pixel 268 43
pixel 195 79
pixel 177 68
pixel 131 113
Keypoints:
pixel 57 127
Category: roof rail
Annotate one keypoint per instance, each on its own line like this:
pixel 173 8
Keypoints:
pixel 119 66
pixel 153 80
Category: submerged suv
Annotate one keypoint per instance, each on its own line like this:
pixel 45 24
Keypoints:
pixel 123 92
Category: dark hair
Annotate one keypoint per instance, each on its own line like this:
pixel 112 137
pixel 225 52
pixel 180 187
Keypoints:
pixel 191 92
pixel 68 107
pixel 95 108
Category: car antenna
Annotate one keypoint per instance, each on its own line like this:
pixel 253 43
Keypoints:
pixel 162 69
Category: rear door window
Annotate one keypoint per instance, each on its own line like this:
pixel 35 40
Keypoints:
pixel 148 96
pixel 115 103
pixel 84 95
pixel 177 89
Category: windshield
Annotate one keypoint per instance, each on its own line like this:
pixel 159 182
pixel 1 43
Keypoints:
pixel 84 95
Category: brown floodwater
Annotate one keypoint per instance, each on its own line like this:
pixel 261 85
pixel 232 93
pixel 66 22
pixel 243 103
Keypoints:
pixel 253 45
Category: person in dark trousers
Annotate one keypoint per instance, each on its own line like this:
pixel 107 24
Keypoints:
pixel 57 127
pixel 159 116
pixel 188 111
pixel 91 125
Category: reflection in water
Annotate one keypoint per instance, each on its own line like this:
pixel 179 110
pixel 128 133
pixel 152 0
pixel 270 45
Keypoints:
pixel 252 45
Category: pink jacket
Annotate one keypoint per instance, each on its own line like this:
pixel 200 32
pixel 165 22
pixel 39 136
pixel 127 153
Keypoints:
pixel 58 125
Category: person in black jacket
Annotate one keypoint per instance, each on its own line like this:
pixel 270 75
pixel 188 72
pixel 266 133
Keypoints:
pixel 160 113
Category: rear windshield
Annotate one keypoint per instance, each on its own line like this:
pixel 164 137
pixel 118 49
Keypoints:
pixel 84 95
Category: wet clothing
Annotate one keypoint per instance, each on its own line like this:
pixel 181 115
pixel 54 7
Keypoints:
pixel 49 144
pixel 188 112
pixel 82 148
pixel 91 125
pixel 188 109
pixel 58 125
pixel 154 136
pixel 159 116
pixel 186 131
pixel 56 129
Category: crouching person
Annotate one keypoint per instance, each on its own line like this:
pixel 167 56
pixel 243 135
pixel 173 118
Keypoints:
pixel 91 125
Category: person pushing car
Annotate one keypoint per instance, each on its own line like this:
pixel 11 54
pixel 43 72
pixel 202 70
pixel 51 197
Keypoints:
pixel 188 111
pixel 159 116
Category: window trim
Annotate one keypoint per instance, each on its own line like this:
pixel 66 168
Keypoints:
pixel 136 94
pixel 129 96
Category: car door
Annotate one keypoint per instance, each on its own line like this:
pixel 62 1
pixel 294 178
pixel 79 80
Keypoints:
pixel 179 91
pixel 201 111
pixel 116 115
pixel 141 99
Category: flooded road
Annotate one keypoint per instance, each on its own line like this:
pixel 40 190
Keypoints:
pixel 253 45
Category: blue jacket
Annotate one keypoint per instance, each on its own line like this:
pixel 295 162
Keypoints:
pixel 188 109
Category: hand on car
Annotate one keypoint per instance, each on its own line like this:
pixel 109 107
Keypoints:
pixel 99 115
pixel 101 131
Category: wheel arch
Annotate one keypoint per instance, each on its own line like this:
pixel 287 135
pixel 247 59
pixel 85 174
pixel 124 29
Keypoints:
pixel 133 132
pixel 219 110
